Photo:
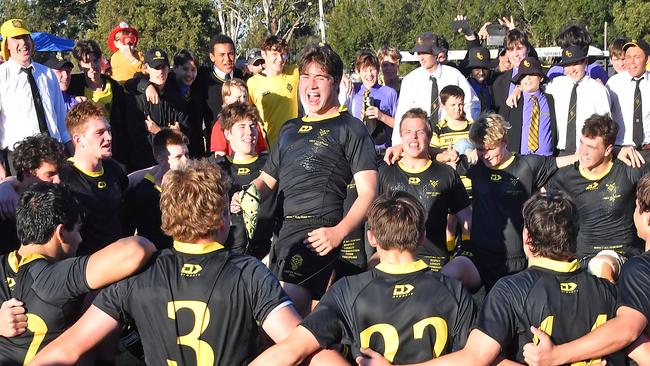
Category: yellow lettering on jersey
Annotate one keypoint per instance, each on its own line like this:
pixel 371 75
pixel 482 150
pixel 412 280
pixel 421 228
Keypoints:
pixel 101 184
pixel 568 287
pixel 204 353
pixel 414 181
pixel 440 326
pixel 495 177
pixel 243 171
pixel 402 290
pixel 592 186
pixel 190 270
pixel 11 282
pixel 36 325
pixel 305 129
pixel 388 332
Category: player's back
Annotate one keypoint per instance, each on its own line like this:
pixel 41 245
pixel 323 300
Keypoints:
pixel 196 304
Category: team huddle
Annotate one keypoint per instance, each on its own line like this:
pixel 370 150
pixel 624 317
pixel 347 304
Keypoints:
pixel 490 212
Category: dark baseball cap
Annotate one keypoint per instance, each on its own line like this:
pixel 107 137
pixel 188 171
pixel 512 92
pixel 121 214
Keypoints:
pixel 572 55
pixel 254 57
pixel 156 57
pixel 529 66
pixel 56 61
pixel 479 58
pixel 639 42
pixel 428 42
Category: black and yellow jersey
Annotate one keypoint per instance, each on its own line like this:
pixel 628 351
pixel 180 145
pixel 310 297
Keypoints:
pixel 241 173
pixel 352 257
pixel 634 284
pixel 314 161
pixel 439 189
pixel 606 206
pixel 407 312
pixel 101 198
pixel 555 296
pixel 444 135
pixel 196 304
pixel 143 212
pixel 51 293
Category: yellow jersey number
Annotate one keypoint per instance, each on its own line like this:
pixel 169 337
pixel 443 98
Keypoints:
pixel 547 327
pixel 204 353
pixel 36 325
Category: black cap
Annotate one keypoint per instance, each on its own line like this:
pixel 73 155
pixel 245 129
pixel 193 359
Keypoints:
pixel 572 55
pixel 479 58
pixel 428 42
pixel 156 57
pixel 528 66
pixel 639 42
pixel 56 61
pixel 254 57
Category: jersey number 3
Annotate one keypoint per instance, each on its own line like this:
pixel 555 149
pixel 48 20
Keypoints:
pixel 204 353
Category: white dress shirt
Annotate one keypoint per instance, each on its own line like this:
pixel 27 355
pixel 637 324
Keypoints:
pixel 17 113
pixel 416 93
pixel 592 97
pixel 621 91
pixel 220 74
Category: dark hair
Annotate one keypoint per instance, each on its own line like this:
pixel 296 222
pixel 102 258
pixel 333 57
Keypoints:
pixel 552 223
pixel 451 91
pixel 274 43
pixel 514 37
pixel 574 35
pixel 325 57
pixel 616 48
pixel 643 193
pixel 83 49
pixel 365 59
pixel 183 56
pixel 220 39
pixel 417 113
pixel 601 126
pixel 33 151
pixel 397 220
pixel 166 137
pixel 42 207
pixel 236 112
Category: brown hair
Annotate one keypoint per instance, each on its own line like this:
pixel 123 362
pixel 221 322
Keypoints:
pixel 515 37
pixel 417 113
pixel 389 51
pixel 616 48
pixel 365 59
pixel 325 57
pixel 552 223
pixel 229 85
pixel 451 91
pixel 643 193
pixel 79 114
pixel 237 112
pixel 601 126
pixel 397 220
pixel 166 137
pixel 274 43
pixel 193 201
pixel 489 129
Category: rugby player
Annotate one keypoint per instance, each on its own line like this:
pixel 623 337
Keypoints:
pixel 45 275
pixel 313 161
pixel 401 307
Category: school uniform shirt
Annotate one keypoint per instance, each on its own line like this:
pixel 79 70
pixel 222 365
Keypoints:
pixel 621 91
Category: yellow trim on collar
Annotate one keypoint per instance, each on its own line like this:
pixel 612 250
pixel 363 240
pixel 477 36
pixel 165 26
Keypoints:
pixel 414 171
pixel 342 108
pixel 402 268
pixel 12 259
pixel 505 164
pixel 592 176
pixel 193 248
pixel 553 265
pixel 245 161
pixel 87 172
pixel 151 179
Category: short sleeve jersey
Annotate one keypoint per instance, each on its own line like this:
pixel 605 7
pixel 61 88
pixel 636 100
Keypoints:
pixel 557 297
pixel 196 304
pixel 101 197
pixel 315 160
pixel 439 189
pixel 143 212
pixel 606 206
pixel 499 194
pixel 51 293
pixel 392 310
pixel 634 284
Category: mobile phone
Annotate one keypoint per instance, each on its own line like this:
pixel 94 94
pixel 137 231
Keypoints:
pixel 496 34
pixel 461 24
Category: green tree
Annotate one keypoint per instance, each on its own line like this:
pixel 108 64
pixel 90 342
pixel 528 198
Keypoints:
pixel 66 18
pixel 631 18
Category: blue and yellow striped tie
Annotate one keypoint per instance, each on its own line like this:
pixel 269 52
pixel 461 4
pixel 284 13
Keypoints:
pixel 533 133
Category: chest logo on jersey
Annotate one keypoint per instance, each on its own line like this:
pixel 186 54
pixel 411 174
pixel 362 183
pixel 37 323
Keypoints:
pixel 305 129
pixel 289 87
pixel 11 282
pixel 190 270
pixel 592 186
pixel 611 193
pixel 296 262
pixel 414 181
pixel 433 183
pixel 495 177
pixel 402 290
pixel 101 184
pixel 243 171
pixel 568 287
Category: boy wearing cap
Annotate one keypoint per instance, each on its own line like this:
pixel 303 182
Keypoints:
pixel 534 129
pixel 479 65
pixel 145 119
pixel 517 48
pixel 577 96
pixel 577 36
pixel 630 95
pixel 126 59
pixel 421 86
pixel 63 70
pixel 254 63
pixel 30 97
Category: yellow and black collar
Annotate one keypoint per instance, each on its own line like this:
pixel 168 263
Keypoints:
pixel 554 265
pixel 193 248
pixel 14 263
pixel 402 268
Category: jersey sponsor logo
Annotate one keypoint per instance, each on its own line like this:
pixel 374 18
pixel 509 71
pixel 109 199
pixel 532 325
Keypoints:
pixel 305 129
pixel 613 196
pixel 11 282
pixel 592 186
pixel 402 290
pixel 568 287
pixel 243 171
pixel 495 177
pixel 190 270
pixel 101 184
pixel 433 183
pixel 296 262
pixel 414 181
pixel 324 132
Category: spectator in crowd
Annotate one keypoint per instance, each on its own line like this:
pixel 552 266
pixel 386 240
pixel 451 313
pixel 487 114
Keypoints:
pixel 126 60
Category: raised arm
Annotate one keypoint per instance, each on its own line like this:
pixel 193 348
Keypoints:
pixel 118 261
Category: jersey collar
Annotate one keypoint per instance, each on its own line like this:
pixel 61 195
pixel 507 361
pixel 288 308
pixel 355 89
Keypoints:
pixel 505 164
pixel 553 265
pixel 193 248
pixel 414 171
pixel 592 176
pixel 243 161
pixel 342 108
pixel 151 179
pixel 14 263
pixel 402 268
pixel 87 172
